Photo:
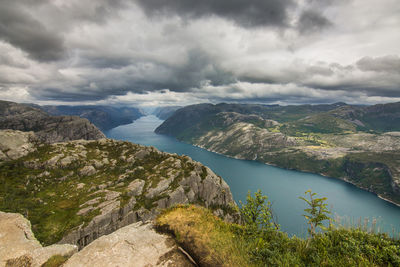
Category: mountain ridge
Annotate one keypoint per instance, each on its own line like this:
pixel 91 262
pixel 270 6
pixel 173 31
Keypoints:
pixel 47 128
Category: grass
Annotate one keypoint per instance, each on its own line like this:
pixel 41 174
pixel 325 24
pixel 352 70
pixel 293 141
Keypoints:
pixel 55 261
pixel 213 242
pixel 208 239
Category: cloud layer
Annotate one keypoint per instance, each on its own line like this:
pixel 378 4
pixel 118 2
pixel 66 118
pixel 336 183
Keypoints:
pixel 154 52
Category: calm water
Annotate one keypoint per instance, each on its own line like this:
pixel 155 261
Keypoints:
pixel 283 187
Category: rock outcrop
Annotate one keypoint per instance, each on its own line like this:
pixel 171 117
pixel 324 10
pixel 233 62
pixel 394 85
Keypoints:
pixel 75 192
pixel 134 245
pixel 15 144
pixel 18 244
pixel 143 198
pixel 47 128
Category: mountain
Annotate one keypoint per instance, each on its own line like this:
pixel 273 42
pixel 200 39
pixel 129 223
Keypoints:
pixel 104 117
pixel 359 144
pixel 380 118
pixel 164 113
pixel 47 128
pixel 192 121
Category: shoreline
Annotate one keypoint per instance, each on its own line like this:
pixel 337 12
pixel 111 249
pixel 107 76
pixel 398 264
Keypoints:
pixel 324 175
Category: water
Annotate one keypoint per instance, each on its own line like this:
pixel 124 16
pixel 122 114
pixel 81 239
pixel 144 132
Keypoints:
pixel 283 187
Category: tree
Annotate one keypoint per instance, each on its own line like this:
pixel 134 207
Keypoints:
pixel 317 213
pixel 257 212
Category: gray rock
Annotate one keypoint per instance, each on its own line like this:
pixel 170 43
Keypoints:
pixel 17 240
pixel 142 154
pixel 162 186
pixel 15 144
pixel 87 170
pixel 135 188
pixel 133 245
pixel 50 129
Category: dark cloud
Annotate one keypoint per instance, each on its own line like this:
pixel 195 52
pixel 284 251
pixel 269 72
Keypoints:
pixel 246 13
pixel 389 63
pixel 198 69
pixel 119 76
pixel 312 21
pixel 97 50
pixel 20 29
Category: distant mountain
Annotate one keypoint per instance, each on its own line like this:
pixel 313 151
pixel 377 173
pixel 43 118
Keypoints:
pixel 360 144
pixel 380 118
pixel 104 117
pixel 194 120
pixel 46 127
pixel 165 112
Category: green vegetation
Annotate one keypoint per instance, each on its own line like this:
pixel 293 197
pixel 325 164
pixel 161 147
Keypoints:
pixel 50 186
pixel 319 123
pixel 256 213
pixel 316 213
pixel 55 261
pixel 213 242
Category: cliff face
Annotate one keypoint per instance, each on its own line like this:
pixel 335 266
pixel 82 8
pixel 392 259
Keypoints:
pixel 77 191
pixel 47 128
pixel 104 117
pixel 164 113
pixel 143 198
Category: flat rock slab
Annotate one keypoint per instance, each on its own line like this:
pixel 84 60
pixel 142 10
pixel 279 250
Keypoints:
pixel 137 244
pixel 18 241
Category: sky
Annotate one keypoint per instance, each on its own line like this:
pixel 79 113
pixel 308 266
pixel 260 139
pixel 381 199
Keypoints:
pixel 180 52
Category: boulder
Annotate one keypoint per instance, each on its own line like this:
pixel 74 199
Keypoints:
pixel 87 170
pixel 15 144
pixel 133 245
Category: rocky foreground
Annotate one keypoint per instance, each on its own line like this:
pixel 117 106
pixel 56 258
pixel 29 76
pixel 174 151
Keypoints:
pixel 137 244
pixel 76 192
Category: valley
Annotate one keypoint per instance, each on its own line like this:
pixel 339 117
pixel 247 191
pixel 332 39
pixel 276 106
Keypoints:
pixel 360 145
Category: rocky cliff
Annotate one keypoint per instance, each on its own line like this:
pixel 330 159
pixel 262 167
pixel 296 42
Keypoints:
pixel 47 128
pixel 164 113
pixel 75 192
pixel 104 117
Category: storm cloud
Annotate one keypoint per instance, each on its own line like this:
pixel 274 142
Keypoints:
pixel 153 52
pixel 247 13
pixel 20 29
pixel 311 21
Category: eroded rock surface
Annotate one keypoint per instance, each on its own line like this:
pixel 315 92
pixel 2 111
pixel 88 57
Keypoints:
pixel 80 190
pixel 15 144
pixel 17 242
pixel 134 245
